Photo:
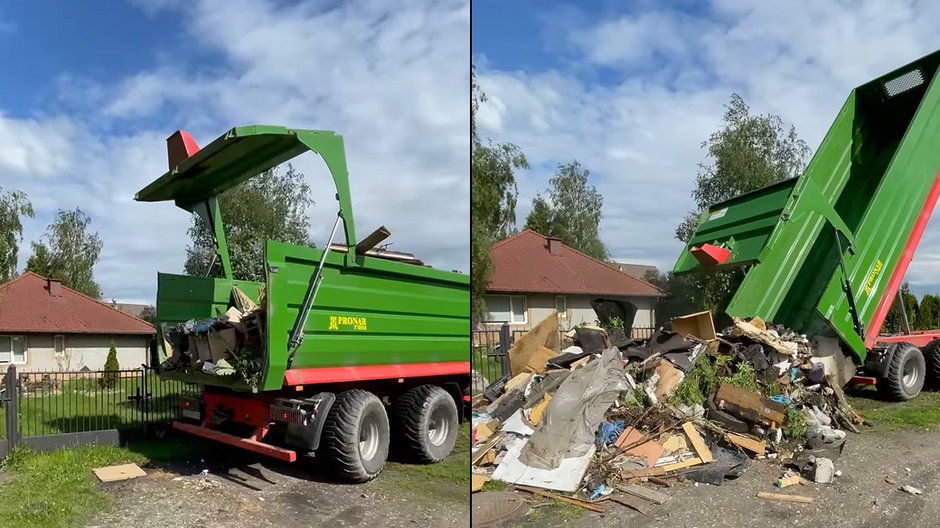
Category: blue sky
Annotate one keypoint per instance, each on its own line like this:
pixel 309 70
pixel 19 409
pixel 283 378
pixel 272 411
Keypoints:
pixel 92 93
pixel 631 89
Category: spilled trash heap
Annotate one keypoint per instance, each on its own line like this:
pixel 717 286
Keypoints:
pixel 231 344
pixel 612 418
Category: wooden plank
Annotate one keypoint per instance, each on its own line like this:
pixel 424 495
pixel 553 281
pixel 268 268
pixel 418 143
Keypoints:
pixel 754 446
pixel 481 452
pixel 640 473
pixel 569 500
pixel 638 504
pixel 653 496
pixel 697 443
pixel 682 465
pixel 768 411
pixel 785 498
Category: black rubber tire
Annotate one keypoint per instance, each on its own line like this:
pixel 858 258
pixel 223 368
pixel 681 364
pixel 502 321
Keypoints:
pixel 932 359
pixel 905 357
pixel 419 414
pixel 341 446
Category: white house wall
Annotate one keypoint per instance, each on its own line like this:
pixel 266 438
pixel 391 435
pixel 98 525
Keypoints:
pixel 82 351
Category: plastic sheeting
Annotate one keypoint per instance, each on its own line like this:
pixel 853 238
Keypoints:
pixel 568 426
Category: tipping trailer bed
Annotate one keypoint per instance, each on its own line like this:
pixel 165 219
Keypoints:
pixel 826 252
pixel 346 328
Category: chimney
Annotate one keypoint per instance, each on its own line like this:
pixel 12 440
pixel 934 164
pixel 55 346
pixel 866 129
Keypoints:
pixel 55 287
pixel 554 246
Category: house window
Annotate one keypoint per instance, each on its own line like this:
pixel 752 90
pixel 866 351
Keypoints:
pixel 561 305
pixel 60 345
pixel 506 309
pixel 12 349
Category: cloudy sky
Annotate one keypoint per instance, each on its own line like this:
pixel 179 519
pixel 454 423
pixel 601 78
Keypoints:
pixel 91 94
pixel 631 89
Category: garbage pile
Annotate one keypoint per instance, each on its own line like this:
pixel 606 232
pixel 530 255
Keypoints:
pixel 598 420
pixel 231 344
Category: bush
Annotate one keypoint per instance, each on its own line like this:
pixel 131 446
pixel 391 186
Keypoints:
pixel 110 377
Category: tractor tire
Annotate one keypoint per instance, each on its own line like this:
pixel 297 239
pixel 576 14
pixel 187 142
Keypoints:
pixel 425 419
pixel 355 436
pixel 905 375
pixel 932 359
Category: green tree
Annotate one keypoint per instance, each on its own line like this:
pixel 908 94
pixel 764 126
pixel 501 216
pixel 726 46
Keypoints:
pixel 572 211
pixel 149 314
pixel 493 195
pixel 13 207
pixel 68 251
pixel 928 313
pixel 271 206
pixel 109 378
pixel 747 152
pixel 892 322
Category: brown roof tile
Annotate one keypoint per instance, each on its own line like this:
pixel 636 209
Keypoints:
pixel 523 264
pixel 27 305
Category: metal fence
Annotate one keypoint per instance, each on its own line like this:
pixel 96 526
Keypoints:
pixel 47 410
pixel 489 359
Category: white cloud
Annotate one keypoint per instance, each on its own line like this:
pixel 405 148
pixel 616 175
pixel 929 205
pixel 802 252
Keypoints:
pixel 391 77
pixel 641 136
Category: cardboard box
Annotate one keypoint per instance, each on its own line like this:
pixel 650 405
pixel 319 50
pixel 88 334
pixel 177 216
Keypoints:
pixel 698 325
pixel 222 343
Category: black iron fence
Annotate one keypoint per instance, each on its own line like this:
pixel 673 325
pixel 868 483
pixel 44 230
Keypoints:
pixel 46 410
pixel 489 359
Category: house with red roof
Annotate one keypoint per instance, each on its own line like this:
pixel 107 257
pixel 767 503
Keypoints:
pixel 535 276
pixel 46 326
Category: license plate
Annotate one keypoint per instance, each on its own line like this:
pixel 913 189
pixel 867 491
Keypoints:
pixel 189 413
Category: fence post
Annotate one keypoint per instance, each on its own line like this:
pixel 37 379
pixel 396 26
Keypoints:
pixel 10 384
pixel 504 338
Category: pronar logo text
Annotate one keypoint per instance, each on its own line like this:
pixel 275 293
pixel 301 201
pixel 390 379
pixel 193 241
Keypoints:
pixel 871 276
pixel 338 322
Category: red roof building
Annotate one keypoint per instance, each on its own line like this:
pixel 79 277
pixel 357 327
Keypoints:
pixel 46 326
pixel 534 275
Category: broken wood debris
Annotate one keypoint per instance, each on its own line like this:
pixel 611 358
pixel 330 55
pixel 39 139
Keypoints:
pixel 611 424
pixel 569 500
pixel 784 498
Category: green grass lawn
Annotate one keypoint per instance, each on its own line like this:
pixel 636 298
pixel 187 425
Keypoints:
pixel 922 412
pixel 447 481
pixel 84 405
pixel 56 490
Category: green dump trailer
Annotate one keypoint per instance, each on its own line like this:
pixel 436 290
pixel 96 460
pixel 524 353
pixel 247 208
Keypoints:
pixel 359 351
pixel 826 252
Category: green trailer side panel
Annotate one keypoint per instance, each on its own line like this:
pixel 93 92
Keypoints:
pixel 181 298
pixel 868 181
pixel 886 226
pixel 379 313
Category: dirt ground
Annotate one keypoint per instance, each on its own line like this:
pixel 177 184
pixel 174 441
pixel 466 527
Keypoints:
pixel 240 489
pixel 859 498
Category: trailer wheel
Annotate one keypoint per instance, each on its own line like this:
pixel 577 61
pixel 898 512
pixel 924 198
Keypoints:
pixel 355 436
pixel 932 358
pixel 425 424
pixel 905 374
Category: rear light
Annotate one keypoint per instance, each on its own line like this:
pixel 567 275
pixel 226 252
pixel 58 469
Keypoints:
pixel 191 409
pixel 291 415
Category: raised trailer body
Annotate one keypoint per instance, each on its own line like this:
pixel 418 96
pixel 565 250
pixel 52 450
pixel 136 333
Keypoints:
pixel 338 321
pixel 826 252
